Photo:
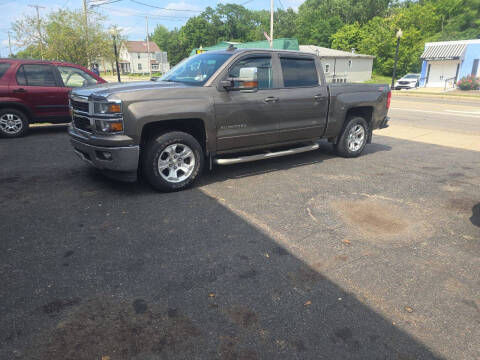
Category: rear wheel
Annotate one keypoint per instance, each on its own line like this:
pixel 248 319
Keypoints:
pixel 13 123
pixel 353 139
pixel 172 161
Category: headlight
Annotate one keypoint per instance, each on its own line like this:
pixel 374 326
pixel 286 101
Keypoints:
pixel 109 126
pixel 107 108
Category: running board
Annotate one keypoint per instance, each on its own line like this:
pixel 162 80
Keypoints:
pixel 242 159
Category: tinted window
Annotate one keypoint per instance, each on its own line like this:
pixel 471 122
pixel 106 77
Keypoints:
pixel 3 68
pixel 36 75
pixel 299 72
pixel 264 70
pixel 73 77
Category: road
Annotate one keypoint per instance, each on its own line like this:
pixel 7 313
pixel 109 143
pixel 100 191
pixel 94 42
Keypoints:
pixel 310 256
pixel 435 121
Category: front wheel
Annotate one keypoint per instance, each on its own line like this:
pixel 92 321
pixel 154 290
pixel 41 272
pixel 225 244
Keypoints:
pixel 353 139
pixel 13 123
pixel 172 161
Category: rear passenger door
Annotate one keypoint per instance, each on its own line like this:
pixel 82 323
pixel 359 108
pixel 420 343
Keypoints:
pixel 40 86
pixel 303 98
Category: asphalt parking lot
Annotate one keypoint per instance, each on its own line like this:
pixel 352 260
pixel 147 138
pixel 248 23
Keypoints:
pixel 303 257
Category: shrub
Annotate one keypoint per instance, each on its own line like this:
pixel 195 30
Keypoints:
pixel 469 82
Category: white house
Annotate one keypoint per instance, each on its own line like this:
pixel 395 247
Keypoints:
pixel 342 66
pixel 446 62
pixel 134 57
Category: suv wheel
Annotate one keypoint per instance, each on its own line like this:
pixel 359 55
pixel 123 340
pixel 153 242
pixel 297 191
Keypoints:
pixel 13 123
pixel 172 161
pixel 353 138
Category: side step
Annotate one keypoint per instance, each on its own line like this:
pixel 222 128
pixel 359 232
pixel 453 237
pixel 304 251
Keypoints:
pixel 242 159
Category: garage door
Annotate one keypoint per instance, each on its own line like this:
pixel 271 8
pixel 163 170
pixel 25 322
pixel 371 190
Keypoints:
pixel 441 71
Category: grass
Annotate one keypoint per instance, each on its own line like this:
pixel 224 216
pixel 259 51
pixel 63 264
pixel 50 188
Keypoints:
pixel 379 79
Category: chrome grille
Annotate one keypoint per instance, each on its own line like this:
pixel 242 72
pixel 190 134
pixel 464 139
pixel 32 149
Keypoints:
pixel 79 106
pixel 82 123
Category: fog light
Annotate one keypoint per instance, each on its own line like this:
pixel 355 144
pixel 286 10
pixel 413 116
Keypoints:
pixel 104 155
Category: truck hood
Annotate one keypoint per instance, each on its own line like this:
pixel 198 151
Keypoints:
pixel 107 89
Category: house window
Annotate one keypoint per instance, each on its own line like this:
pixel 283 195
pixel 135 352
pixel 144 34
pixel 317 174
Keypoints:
pixel 139 66
pixel 349 63
pixel 327 68
pixel 154 67
pixel 139 56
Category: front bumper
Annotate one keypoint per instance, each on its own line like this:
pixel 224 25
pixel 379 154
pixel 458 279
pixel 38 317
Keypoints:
pixel 117 157
pixel 121 159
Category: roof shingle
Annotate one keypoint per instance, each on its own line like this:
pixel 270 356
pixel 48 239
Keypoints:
pixel 141 46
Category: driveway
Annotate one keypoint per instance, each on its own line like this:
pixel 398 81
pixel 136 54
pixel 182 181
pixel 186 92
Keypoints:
pixel 303 257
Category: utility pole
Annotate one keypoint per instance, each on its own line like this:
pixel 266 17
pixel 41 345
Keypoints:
pixel 271 23
pixel 148 50
pixel 10 44
pixel 38 27
pixel 85 20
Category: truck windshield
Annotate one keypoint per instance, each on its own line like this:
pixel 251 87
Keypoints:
pixel 196 70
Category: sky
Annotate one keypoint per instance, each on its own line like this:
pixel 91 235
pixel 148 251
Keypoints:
pixel 127 14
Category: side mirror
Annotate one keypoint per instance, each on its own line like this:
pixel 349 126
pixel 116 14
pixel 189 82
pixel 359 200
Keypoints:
pixel 247 80
pixel 227 84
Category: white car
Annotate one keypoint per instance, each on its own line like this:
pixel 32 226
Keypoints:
pixel 409 81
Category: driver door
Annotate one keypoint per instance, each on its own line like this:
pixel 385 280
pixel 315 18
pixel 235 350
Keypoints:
pixel 248 118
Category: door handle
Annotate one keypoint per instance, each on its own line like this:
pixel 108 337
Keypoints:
pixel 319 97
pixel 271 99
pixel 21 90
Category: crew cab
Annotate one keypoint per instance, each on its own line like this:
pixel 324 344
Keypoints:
pixel 221 107
pixel 37 91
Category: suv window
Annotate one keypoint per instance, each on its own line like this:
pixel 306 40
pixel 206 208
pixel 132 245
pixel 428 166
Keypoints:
pixel 299 72
pixel 264 70
pixel 36 75
pixel 3 68
pixel 74 77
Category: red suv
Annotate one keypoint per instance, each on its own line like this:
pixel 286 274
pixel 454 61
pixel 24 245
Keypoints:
pixel 37 91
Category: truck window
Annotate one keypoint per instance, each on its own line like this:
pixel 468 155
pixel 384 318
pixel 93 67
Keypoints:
pixel 264 70
pixel 3 68
pixel 36 75
pixel 196 70
pixel 299 72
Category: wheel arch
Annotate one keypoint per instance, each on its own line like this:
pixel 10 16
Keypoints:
pixel 193 126
pixel 17 106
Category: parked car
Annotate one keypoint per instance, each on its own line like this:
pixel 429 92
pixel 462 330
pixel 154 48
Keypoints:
pixel 34 91
pixel 223 107
pixel 409 81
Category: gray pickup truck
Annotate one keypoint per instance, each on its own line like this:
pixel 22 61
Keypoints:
pixel 221 107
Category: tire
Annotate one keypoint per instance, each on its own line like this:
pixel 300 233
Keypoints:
pixel 353 139
pixel 172 161
pixel 13 123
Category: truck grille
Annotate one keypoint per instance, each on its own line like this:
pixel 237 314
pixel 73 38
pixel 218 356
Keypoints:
pixel 79 106
pixel 82 123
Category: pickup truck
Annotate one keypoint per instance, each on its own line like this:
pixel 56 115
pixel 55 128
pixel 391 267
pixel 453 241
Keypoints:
pixel 221 107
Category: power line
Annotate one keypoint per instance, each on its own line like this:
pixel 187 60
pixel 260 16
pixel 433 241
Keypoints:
pixel 162 17
pixel 164 8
